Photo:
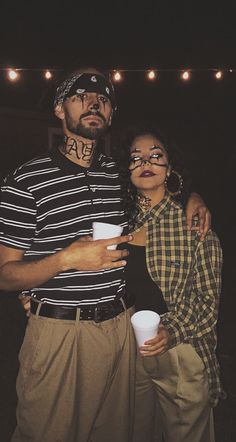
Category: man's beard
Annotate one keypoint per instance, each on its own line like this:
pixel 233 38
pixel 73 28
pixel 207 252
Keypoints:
pixel 91 132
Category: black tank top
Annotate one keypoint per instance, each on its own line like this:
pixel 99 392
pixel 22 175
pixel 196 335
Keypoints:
pixel 148 295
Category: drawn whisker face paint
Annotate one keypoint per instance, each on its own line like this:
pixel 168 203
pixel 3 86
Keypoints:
pixel 155 157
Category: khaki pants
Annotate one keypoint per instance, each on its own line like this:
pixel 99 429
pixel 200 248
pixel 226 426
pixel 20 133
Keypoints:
pixel 76 381
pixel 176 383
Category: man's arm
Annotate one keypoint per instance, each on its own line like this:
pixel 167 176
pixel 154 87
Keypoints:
pixel 196 206
pixel 17 274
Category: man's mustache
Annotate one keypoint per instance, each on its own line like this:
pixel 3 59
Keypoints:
pixel 89 113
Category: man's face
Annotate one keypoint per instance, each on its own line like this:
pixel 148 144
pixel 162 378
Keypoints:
pixel 87 114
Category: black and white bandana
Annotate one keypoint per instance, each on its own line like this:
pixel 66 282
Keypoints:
pixel 85 82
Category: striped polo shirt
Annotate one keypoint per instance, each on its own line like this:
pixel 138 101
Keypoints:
pixel 48 203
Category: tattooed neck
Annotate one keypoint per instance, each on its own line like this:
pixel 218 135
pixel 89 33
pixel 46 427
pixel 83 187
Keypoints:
pixel 78 150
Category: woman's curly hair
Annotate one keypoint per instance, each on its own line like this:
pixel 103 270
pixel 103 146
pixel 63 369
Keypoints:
pixel 122 156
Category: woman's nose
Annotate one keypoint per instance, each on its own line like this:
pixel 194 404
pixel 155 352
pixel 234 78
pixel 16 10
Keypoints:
pixel 145 161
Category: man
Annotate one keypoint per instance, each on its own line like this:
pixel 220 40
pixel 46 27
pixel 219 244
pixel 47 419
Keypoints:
pixel 77 360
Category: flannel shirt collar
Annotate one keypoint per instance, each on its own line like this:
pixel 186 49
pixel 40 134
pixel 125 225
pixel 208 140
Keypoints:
pixel 157 211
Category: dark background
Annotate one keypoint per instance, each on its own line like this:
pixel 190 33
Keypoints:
pixel 199 115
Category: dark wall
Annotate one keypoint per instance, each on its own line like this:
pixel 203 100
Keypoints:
pixel 24 134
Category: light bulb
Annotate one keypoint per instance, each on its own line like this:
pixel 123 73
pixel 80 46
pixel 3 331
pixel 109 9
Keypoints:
pixel 12 74
pixel 151 75
pixel 117 76
pixel 218 75
pixel 185 75
pixel 48 75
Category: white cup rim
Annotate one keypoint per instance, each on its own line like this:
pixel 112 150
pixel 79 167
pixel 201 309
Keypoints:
pixel 153 327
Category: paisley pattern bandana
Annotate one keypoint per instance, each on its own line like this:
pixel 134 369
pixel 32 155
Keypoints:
pixel 85 82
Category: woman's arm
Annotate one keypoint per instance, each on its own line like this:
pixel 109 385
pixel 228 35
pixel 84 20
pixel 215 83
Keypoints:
pixel 197 314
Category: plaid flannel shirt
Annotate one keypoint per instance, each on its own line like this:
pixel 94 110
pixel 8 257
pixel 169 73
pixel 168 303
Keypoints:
pixel 188 271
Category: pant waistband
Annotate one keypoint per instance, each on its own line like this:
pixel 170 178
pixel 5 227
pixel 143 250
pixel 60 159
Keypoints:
pixel 97 313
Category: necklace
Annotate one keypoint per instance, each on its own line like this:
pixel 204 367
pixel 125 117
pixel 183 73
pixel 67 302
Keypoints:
pixel 143 202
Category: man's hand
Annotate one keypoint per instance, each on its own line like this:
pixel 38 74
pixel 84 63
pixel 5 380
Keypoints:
pixel 158 345
pixel 196 206
pixel 25 302
pixel 86 254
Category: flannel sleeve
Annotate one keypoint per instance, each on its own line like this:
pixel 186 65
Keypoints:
pixel 196 313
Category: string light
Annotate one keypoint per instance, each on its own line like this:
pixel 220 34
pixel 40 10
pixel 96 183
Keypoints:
pixel 12 74
pixel 151 75
pixel 48 75
pixel 117 76
pixel 185 75
pixel 219 75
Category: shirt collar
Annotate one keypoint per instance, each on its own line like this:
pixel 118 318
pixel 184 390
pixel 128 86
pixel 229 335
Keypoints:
pixel 157 211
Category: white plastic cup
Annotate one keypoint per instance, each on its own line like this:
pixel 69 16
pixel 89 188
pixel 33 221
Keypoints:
pixel 106 231
pixel 145 324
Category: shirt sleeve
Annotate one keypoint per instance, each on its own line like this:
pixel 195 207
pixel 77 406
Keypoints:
pixel 17 215
pixel 197 313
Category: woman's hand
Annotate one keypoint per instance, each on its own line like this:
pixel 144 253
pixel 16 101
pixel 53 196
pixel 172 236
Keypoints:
pixel 158 345
pixel 196 206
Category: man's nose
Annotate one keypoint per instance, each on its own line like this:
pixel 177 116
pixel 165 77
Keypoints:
pixel 94 104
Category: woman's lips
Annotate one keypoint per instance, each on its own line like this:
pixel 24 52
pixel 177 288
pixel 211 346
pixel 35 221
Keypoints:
pixel 147 174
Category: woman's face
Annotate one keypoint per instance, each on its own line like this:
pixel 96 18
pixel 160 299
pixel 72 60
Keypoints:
pixel 149 164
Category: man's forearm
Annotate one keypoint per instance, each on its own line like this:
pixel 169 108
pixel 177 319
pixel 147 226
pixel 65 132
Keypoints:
pixel 83 254
pixel 21 275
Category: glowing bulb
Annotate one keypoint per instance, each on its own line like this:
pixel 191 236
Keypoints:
pixel 12 74
pixel 218 75
pixel 151 75
pixel 48 75
pixel 117 76
pixel 185 75
pixel 231 70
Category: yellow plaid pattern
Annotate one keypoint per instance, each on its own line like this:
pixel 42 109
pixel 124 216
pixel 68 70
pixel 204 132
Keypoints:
pixel 188 272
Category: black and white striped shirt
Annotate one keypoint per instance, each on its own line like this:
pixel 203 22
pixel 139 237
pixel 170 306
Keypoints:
pixel 48 203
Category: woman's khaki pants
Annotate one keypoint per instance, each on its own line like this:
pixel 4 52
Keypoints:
pixel 76 381
pixel 173 387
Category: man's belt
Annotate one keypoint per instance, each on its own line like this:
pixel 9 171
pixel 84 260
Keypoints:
pixel 98 312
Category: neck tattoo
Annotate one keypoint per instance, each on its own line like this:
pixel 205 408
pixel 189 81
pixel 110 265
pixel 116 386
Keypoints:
pixel 83 151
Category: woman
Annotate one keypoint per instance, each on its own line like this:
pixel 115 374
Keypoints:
pixel 172 272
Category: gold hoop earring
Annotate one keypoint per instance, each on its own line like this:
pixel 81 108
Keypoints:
pixel 171 184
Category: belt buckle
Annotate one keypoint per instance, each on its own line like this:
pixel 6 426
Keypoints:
pixel 96 314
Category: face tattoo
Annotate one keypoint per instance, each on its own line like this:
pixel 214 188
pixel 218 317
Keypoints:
pixel 77 86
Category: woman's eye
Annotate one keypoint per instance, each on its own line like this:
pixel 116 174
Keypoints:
pixel 156 155
pixel 135 159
